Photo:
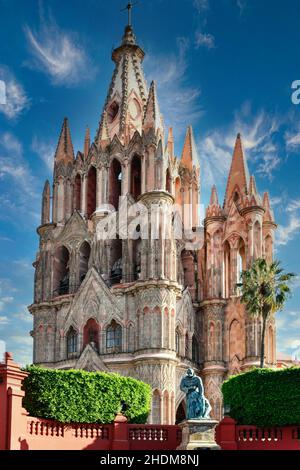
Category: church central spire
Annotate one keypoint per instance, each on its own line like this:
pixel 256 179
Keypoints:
pixel 128 92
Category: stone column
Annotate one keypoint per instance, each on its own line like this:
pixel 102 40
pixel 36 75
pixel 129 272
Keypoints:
pixel 99 189
pixel 54 204
pixel 60 202
pixel 125 181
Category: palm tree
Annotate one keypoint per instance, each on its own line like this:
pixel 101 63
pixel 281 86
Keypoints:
pixel 265 289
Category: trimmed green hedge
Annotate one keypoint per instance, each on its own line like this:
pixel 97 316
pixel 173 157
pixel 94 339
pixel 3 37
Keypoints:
pixel 84 397
pixel 264 397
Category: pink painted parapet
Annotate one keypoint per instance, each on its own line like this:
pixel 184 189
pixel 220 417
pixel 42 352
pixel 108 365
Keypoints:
pixel 19 431
pixel 231 436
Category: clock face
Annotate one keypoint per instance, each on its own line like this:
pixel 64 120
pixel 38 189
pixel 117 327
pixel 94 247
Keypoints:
pixel 134 109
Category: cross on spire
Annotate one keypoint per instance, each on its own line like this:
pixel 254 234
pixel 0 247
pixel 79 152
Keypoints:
pixel 129 7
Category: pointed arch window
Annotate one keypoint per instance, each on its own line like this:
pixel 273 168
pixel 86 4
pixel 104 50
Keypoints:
pixel 61 271
pixel 115 182
pixel 72 340
pixel 91 191
pixel 135 183
pixel 195 350
pixel 177 341
pixel 77 193
pixel 84 256
pixel 91 333
pixel 114 337
pixel 187 349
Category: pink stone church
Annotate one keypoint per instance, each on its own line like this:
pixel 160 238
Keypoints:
pixel 146 307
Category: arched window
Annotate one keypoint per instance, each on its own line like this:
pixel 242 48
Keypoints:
pixel 137 258
pixel 168 181
pixel 71 342
pixel 226 271
pixel 91 333
pixel 114 337
pixel 135 182
pixel 91 191
pixel 115 183
pixel 195 350
pixel 187 349
pixel 77 193
pixel 116 262
pixel 257 240
pixel 241 260
pixel 61 274
pixel 177 341
pixel 84 256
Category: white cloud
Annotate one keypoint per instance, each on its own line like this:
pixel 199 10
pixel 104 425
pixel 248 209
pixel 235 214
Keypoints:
pixel 24 340
pixel 293 205
pixel 242 5
pixel 288 232
pixel 59 54
pixel 2 349
pixel 292 139
pixel 12 164
pixel 45 151
pixel 204 40
pixel 201 5
pixel 16 99
pixel 258 137
pixel 23 315
pixel 3 320
pixel 179 103
pixel 4 301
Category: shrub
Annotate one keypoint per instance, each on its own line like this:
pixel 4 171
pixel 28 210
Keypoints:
pixel 264 397
pixel 84 397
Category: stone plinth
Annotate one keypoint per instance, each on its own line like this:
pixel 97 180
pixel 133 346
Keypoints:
pixel 198 434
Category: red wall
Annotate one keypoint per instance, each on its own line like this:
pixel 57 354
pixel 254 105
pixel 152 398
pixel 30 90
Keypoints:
pixel 231 436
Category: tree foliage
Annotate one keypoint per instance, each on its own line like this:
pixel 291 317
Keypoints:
pixel 265 289
pixel 264 397
pixel 84 397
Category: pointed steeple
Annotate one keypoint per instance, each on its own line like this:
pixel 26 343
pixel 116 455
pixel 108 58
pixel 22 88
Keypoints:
pixel 214 209
pixel 87 142
pixel 269 214
pixel 170 144
pixel 152 117
pixel 252 186
pixel 64 151
pixel 238 175
pixel 214 196
pixel 45 219
pixel 127 96
pixel 189 154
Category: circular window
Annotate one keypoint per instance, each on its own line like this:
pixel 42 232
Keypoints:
pixel 112 111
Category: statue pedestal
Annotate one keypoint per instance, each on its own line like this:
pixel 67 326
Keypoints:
pixel 198 434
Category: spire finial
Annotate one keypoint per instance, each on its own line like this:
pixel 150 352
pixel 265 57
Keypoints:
pixel 129 8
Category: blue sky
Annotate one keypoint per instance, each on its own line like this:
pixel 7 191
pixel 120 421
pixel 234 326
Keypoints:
pixel 224 66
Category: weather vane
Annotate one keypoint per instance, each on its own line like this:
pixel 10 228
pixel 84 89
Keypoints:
pixel 129 7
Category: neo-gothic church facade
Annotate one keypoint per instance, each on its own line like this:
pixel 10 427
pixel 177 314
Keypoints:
pixel 146 307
